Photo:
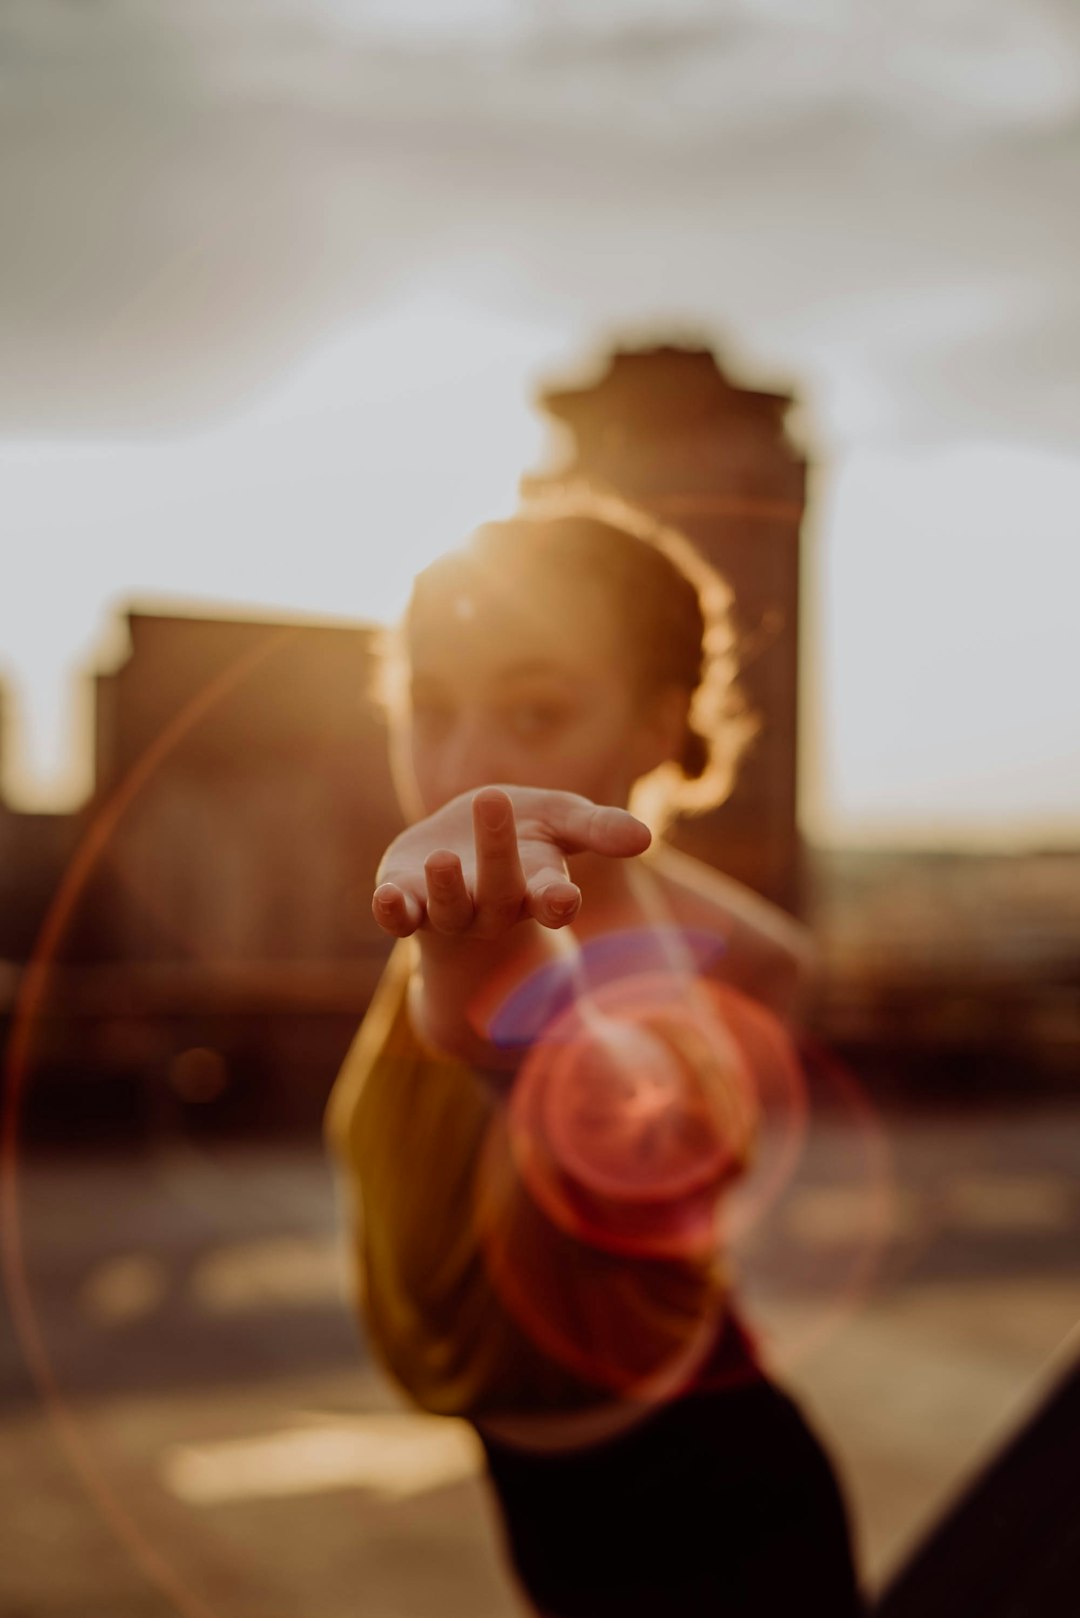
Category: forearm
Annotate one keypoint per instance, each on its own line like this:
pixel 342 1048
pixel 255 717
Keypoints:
pixel 459 984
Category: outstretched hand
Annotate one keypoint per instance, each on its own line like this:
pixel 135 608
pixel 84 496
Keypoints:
pixel 491 858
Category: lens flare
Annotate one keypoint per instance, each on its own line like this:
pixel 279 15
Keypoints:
pixel 655 1139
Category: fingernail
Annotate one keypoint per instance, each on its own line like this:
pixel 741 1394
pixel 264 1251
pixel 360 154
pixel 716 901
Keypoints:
pixel 562 907
pixel 493 813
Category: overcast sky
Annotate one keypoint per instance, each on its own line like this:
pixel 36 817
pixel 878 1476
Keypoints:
pixel 263 261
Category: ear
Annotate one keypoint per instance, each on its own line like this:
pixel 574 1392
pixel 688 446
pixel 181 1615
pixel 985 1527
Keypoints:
pixel 662 727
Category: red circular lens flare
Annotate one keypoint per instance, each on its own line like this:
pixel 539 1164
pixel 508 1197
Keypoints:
pixel 630 1116
pixel 600 1188
pixel 628 1119
pixel 590 1312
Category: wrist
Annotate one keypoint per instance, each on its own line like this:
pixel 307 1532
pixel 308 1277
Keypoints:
pixel 460 985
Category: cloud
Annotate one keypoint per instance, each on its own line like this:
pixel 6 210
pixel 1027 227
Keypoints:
pixel 203 191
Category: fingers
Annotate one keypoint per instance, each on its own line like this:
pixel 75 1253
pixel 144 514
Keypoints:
pixel 580 826
pixel 450 906
pixel 552 899
pixel 502 894
pixel 500 881
pixel 396 911
pixel 432 889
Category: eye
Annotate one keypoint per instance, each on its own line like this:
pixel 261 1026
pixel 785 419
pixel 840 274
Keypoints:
pixel 429 714
pixel 535 718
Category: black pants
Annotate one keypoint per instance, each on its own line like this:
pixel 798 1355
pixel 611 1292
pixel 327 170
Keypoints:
pixel 722 1504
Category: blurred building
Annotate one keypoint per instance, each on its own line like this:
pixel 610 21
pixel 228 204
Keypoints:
pixel 951 974
pixel 666 429
pixel 212 944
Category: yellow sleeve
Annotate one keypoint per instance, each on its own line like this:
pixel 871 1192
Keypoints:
pixel 474 1298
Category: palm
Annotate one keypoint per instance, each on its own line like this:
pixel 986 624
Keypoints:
pixel 489 859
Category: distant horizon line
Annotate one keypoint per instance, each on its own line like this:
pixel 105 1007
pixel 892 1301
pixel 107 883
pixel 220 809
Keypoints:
pixel 1047 839
pixel 1038 836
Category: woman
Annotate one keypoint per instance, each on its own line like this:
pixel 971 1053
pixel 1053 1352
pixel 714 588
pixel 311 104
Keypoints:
pixel 559 1074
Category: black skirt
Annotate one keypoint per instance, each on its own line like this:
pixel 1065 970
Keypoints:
pixel 722 1503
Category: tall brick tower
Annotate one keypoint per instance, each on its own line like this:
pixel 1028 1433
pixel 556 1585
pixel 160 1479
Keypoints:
pixel 665 428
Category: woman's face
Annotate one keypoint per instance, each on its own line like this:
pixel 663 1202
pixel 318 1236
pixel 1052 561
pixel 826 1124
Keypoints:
pixel 525 684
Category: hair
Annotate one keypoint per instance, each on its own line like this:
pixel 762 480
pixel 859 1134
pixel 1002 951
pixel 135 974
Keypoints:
pixel 677 616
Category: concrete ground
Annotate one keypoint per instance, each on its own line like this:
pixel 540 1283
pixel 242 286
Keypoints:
pixel 190 1423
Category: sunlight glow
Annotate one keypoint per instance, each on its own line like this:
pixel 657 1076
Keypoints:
pixel 942 655
pixel 125 1289
pixel 395 1455
pixel 380 450
pixel 280 1272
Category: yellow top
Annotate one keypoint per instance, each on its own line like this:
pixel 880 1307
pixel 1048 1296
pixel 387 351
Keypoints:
pixel 476 1301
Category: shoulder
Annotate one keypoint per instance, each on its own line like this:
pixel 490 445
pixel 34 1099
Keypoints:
pixel 769 954
pixel 699 894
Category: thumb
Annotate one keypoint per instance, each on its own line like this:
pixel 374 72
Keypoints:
pixel 550 897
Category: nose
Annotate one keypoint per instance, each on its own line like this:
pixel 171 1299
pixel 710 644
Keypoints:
pixel 467 757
